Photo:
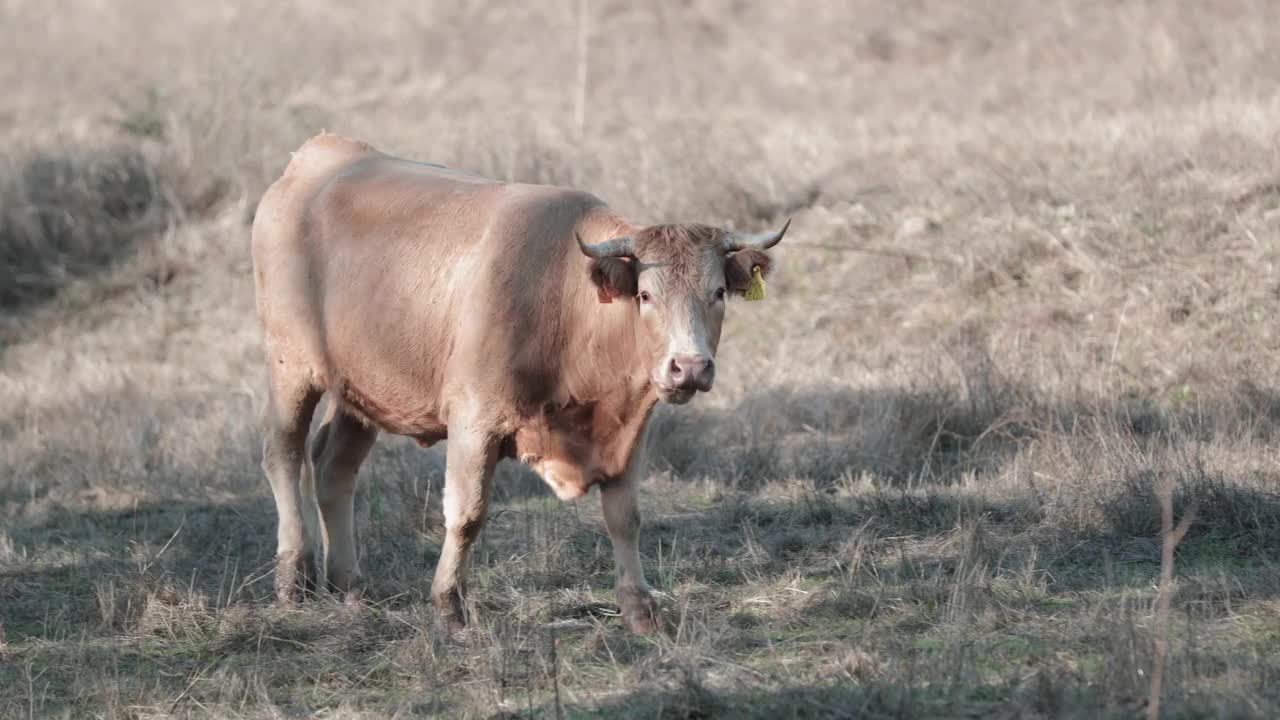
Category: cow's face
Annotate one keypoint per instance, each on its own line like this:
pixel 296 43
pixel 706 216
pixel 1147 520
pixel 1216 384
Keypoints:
pixel 679 278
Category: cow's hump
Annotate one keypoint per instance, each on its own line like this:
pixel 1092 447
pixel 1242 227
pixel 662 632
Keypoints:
pixel 324 153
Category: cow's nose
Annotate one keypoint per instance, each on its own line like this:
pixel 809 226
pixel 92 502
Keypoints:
pixel 691 372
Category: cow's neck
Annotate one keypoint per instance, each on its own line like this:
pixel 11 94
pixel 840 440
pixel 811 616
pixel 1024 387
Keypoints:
pixel 608 366
pixel 606 361
pixel 626 393
pixel 617 449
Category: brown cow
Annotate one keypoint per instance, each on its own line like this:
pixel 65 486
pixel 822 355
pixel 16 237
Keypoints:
pixel 514 320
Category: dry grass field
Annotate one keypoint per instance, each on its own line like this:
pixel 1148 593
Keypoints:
pixel 1031 281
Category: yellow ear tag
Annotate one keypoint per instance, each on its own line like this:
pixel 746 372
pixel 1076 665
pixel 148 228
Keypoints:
pixel 755 290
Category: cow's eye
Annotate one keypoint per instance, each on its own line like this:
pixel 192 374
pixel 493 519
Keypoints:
pixel 645 297
pixel 719 293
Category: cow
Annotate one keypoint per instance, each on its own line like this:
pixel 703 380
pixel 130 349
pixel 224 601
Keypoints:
pixel 507 320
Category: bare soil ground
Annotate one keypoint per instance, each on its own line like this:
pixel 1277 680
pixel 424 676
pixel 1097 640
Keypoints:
pixel 1031 279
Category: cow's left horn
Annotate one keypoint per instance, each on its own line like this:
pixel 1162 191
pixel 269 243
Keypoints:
pixel 734 242
pixel 617 247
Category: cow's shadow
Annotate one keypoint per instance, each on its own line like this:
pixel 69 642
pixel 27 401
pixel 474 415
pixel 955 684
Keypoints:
pixel 96 569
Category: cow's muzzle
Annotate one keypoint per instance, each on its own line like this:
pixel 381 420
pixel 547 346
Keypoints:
pixel 683 375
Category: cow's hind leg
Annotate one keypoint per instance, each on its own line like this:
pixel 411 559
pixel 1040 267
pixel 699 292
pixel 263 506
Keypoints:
pixel 339 447
pixel 468 476
pixel 290 404
pixel 622 517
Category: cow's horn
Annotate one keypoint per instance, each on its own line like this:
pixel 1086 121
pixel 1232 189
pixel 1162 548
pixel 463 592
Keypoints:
pixel 617 247
pixel 734 242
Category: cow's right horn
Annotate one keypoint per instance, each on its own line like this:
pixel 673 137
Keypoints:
pixel 617 247
pixel 734 242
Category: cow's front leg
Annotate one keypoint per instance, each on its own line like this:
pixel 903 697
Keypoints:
pixel 622 516
pixel 468 476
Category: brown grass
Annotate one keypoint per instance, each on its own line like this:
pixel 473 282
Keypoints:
pixel 1030 281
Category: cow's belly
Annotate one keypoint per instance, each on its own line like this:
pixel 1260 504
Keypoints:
pixel 419 420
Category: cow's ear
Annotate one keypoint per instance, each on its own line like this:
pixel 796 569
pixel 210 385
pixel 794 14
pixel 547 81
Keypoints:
pixel 613 278
pixel 738 267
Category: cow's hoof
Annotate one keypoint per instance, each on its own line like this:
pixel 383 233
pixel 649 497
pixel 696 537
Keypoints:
pixel 450 611
pixel 640 612
pixel 295 577
pixel 350 588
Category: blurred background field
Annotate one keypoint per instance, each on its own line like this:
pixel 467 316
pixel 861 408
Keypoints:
pixel 1031 278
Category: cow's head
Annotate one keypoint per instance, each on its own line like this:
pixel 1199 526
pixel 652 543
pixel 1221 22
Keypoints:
pixel 679 277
